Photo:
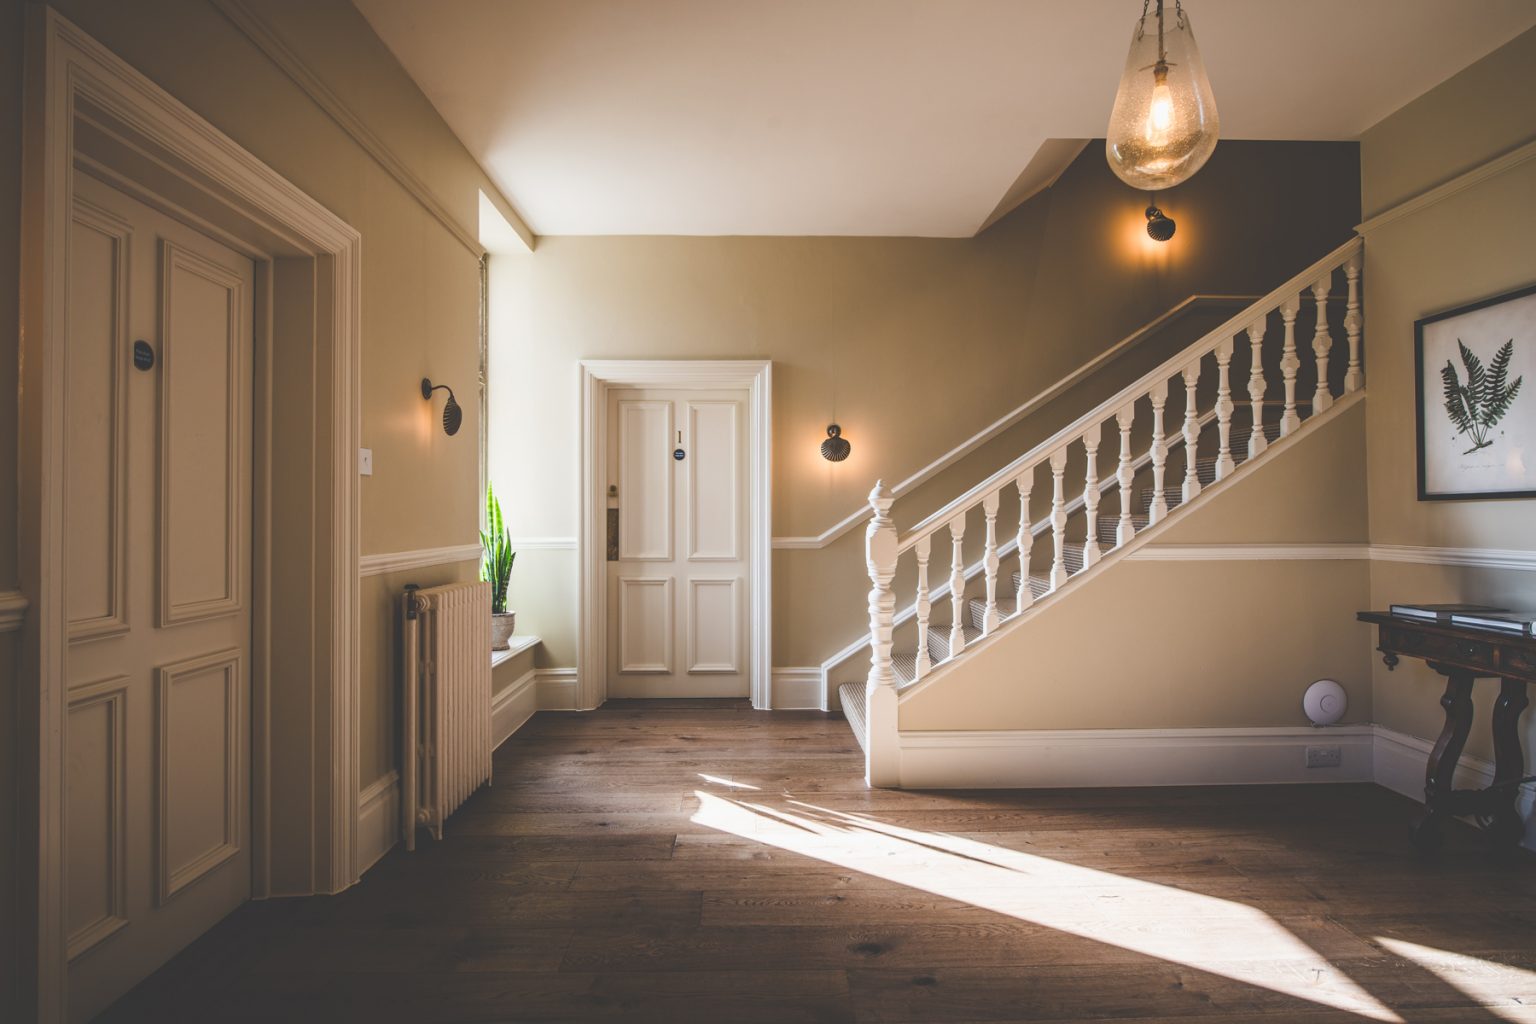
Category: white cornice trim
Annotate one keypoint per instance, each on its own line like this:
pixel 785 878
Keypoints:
pixel 13 610
pixel 392 561
pixel 860 515
pixel 1467 179
pixel 291 64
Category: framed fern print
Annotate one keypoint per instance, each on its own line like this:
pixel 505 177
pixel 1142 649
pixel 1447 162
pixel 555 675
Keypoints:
pixel 1476 376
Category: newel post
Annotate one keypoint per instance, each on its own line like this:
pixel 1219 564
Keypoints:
pixel 882 752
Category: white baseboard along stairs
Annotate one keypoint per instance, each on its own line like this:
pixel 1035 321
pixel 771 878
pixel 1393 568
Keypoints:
pixel 1158 474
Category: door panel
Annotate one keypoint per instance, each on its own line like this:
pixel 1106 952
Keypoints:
pixel 715 477
pixel 714 625
pixel 197 747
pixel 98 849
pixel 645 481
pixel 157 499
pixel 96 572
pixel 645 624
pixel 677 475
pixel 201 409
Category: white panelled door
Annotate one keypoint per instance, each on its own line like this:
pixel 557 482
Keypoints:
pixel 157 498
pixel 677 569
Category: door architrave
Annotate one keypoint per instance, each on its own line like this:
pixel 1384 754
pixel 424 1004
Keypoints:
pixel 86 110
pixel 597 378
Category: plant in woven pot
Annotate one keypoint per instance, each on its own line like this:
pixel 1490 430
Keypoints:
pixel 496 569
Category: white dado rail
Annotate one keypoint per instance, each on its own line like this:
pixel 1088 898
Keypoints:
pixel 973 620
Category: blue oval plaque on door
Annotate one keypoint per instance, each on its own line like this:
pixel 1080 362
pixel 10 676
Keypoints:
pixel 677 453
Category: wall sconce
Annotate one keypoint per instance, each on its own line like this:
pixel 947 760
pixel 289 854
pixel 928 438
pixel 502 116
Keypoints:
pixel 836 447
pixel 1160 226
pixel 453 416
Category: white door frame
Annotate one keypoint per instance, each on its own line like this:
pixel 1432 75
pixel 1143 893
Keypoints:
pixel 597 377
pixel 87 110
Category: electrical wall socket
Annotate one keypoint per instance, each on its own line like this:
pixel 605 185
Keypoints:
pixel 1324 757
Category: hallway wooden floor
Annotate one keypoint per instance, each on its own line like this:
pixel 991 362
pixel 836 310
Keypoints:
pixel 686 863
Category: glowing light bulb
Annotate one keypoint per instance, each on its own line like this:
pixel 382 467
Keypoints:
pixel 1160 112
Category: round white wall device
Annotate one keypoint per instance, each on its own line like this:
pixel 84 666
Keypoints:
pixel 1325 702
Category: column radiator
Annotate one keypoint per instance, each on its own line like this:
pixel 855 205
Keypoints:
pixel 447 713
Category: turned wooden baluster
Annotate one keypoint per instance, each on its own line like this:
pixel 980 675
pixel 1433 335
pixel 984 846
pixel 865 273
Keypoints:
pixel 1059 517
pixel 1125 475
pixel 1354 379
pixel 882 749
pixel 1322 344
pixel 1257 442
pixel 1026 538
pixel 1289 364
pixel 1191 432
pixel 1159 509
pixel 924 607
pixel 957 585
pixel 1224 461
pixel 990 562
pixel 1091 438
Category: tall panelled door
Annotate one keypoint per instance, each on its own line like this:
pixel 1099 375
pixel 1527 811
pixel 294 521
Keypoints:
pixel 677 569
pixel 157 498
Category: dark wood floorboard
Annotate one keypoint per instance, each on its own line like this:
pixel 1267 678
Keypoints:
pixel 698 861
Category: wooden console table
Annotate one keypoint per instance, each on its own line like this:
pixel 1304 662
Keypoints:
pixel 1463 655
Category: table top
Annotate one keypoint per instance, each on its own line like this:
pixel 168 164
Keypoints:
pixel 1446 629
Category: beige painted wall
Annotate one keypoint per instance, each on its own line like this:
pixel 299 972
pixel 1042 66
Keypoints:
pixel 1153 644
pixel 913 344
pixel 1476 244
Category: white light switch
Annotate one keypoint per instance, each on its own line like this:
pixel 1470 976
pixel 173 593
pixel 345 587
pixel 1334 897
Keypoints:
pixel 365 461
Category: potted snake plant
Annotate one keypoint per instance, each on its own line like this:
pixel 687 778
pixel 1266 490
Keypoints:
pixel 496 569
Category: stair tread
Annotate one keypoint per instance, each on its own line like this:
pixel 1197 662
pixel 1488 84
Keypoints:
pixel 852 697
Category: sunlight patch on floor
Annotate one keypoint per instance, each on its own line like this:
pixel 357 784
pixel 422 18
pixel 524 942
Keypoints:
pixel 1202 932
pixel 716 780
pixel 1481 981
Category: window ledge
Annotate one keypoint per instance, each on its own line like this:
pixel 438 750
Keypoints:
pixel 519 644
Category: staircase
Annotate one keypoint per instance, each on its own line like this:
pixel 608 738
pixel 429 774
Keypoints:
pixel 1217 438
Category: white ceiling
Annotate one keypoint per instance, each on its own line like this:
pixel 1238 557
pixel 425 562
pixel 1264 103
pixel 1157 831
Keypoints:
pixel 870 117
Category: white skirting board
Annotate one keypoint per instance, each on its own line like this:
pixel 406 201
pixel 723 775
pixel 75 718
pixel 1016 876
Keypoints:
pixel 1051 758
pixel 798 689
pixel 513 706
pixel 378 821
pixel 557 689
pixel 1399 766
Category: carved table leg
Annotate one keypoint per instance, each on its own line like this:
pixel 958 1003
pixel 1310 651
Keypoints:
pixel 1440 773
pixel 1506 828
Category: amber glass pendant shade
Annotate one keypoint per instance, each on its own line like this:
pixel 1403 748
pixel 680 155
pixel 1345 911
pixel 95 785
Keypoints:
pixel 1164 124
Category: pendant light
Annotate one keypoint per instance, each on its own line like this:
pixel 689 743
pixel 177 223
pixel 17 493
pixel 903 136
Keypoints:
pixel 1164 125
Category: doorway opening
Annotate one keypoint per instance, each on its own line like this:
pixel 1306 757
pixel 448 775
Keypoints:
pixel 674 547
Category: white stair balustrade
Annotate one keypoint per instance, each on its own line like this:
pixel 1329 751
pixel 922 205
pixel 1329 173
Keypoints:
pixel 1257 442
pixel 1289 363
pixel 873 702
pixel 957 584
pixel 1024 482
pixel 1159 396
pixel 1354 377
pixel 1059 517
pixel 1224 407
pixel 1191 488
pixel 990 562
pixel 1322 344
pixel 923 661
pixel 1091 439
pixel 1125 475
pixel 882 754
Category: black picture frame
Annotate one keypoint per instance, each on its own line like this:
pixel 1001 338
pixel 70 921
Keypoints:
pixel 1424 494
